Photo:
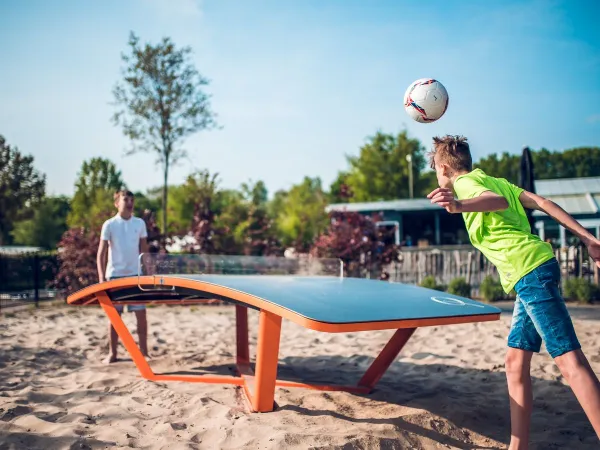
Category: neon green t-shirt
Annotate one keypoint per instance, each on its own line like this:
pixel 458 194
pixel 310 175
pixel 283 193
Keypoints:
pixel 504 237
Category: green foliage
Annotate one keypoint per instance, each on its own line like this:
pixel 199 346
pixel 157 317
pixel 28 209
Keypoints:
pixel 302 217
pixel 161 102
pixel 21 187
pixel 430 282
pixel 381 171
pixel 581 289
pixel 337 191
pixel 47 224
pixel 575 162
pixel 97 181
pixel 459 286
pixel 491 289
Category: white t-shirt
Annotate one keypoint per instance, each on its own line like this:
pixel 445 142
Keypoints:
pixel 123 237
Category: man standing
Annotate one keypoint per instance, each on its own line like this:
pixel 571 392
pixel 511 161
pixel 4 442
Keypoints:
pixel 122 239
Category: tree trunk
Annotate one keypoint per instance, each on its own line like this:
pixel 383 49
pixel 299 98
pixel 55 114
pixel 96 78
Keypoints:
pixel 164 214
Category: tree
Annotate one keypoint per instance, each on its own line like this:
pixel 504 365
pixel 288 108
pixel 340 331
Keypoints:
pixel 302 217
pixel 381 171
pixel 256 232
pixel 339 192
pixel 161 102
pixel 21 187
pixel 47 224
pixel 358 242
pixel 97 181
pixel 572 163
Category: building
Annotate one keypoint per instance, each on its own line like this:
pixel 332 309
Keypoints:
pixel 420 223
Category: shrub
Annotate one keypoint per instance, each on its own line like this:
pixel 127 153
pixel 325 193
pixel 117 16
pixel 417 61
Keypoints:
pixel 459 286
pixel 581 289
pixel 491 289
pixel 430 282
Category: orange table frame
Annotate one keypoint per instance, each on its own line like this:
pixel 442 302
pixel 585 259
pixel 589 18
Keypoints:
pixel 259 386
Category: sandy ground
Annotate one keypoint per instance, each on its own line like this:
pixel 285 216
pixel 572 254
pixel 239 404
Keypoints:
pixel 447 389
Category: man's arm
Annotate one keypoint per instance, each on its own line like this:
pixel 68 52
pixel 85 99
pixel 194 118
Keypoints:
pixel 487 201
pixel 533 201
pixel 102 259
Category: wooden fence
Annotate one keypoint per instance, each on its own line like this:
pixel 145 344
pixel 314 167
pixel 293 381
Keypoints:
pixel 448 262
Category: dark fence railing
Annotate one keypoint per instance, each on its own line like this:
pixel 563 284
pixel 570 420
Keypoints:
pixel 27 278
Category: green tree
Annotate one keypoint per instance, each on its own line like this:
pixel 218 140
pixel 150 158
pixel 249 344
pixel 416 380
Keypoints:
pixel 21 187
pixel 572 163
pixel 97 181
pixel 161 102
pixel 506 166
pixel 47 224
pixel 302 215
pixel 338 191
pixel 381 170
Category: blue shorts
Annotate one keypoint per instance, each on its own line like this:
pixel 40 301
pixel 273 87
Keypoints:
pixel 130 308
pixel 541 314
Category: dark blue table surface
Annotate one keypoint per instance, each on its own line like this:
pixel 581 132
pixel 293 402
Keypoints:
pixel 349 300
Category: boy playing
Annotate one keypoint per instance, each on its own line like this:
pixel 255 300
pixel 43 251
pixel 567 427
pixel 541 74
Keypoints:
pixel 493 211
pixel 122 239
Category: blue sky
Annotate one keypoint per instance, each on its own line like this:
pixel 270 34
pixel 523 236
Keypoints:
pixel 299 84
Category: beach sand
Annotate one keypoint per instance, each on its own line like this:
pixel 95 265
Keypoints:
pixel 447 388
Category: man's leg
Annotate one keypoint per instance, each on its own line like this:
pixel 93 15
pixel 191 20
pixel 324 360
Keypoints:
pixel 142 330
pixel 113 340
pixel 583 381
pixel 517 366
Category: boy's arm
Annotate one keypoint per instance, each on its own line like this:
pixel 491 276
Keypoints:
pixel 533 201
pixel 487 201
pixel 101 260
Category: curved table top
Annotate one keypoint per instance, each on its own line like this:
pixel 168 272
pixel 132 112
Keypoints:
pixel 322 303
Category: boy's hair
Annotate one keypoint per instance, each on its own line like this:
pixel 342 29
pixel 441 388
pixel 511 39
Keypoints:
pixel 452 150
pixel 124 193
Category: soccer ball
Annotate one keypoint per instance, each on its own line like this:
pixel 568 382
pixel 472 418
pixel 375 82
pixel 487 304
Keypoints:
pixel 426 100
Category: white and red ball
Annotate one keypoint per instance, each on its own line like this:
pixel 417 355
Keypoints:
pixel 426 100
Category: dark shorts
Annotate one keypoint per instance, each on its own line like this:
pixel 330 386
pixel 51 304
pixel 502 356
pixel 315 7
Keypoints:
pixel 540 313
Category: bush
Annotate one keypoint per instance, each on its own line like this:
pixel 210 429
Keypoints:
pixel 429 282
pixel 491 289
pixel 459 286
pixel 581 290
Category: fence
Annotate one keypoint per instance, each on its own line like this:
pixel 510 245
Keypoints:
pixel 26 278
pixel 448 262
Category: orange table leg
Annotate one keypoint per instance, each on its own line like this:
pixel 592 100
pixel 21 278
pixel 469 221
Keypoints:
pixel 267 354
pixel 386 357
pixel 125 335
pixel 241 325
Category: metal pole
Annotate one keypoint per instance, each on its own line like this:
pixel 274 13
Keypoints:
pixel 410 176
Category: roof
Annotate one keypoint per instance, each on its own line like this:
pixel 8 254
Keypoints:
pixel 575 195
pixel 568 186
pixel 416 204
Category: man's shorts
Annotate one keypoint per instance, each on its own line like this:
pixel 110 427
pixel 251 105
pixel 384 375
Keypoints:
pixel 540 313
pixel 130 308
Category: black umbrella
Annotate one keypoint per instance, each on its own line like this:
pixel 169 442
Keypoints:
pixel 527 180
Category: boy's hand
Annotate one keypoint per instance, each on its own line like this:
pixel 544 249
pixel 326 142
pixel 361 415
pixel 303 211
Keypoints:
pixel 594 251
pixel 445 198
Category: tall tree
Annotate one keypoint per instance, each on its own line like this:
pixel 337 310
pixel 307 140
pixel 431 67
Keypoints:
pixel 381 170
pixel 302 215
pixel 160 102
pixel 47 224
pixel 571 163
pixel 21 186
pixel 96 184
